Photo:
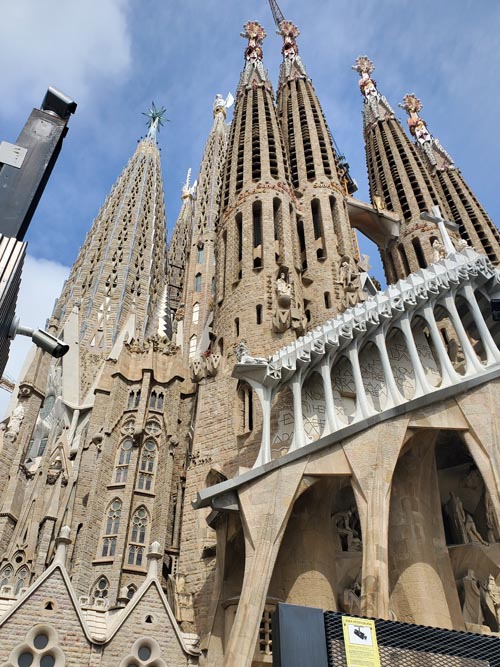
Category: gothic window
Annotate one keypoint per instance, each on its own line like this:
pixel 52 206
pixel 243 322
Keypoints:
pixel 48 404
pixel 111 529
pixel 159 403
pixel 123 461
pixel 138 537
pixel 100 589
pixel 147 466
pixel 137 399
pixel 199 258
pixel 197 282
pixel 131 398
pixel 196 313
pixel 42 445
pixel 5 575
pixel 131 590
pixel 22 578
pixel 245 398
pixel 193 342
pixel 152 400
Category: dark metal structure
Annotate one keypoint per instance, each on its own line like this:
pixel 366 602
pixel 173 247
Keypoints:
pixel 305 636
pixel 22 187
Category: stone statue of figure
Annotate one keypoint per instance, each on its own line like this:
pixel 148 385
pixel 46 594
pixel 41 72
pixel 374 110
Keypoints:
pixel 15 421
pixel 184 610
pixel 351 598
pixel 283 292
pixel 490 603
pixel 457 519
pixel 347 526
pixel 439 251
pixel 491 519
pixel 471 599
pixel 472 532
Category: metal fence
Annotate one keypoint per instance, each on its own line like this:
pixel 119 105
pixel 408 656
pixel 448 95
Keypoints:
pixel 408 645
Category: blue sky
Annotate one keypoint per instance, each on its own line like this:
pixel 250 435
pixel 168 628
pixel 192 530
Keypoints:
pixel 115 56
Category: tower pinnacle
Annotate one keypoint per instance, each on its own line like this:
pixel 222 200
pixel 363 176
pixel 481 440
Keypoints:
pixel 255 34
pixel 376 106
pixel 155 120
pixel 435 153
pixel 290 49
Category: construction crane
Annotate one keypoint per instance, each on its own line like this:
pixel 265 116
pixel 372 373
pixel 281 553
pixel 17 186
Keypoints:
pixel 346 179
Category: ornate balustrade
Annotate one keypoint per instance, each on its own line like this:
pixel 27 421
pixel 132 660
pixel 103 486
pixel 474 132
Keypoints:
pixel 429 331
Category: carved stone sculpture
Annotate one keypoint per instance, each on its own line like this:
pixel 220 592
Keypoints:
pixel 471 599
pixel 456 517
pixel 438 249
pixel 347 527
pixel 351 599
pixel 197 368
pixel 15 421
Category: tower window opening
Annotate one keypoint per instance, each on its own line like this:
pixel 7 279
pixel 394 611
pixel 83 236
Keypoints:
pixel 197 282
pixel 138 536
pixel 404 260
pixel 328 300
pixel 147 466
pixel 318 229
pixel 111 528
pixel 196 313
pixel 302 243
pixel 257 234
pixel 258 313
pixel 245 397
pixel 199 257
pixel 237 326
pixel 223 260
pixel 256 165
pixel 239 246
pixel 193 342
pixel 278 228
pixel 123 461
pixel 419 253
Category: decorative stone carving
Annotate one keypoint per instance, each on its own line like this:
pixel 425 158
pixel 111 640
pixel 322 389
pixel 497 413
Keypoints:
pixel 347 527
pixel 290 50
pixel 244 357
pixel 491 519
pixel 350 280
pixel 281 320
pixel 255 34
pixel 15 421
pixel 461 524
pixel 183 601
pixel 471 599
pixel 438 249
pixel 152 427
pixel 351 598
pixel 212 361
pixel 283 291
pixel 197 368
pixel 490 603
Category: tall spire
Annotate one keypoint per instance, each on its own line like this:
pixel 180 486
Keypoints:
pixel 119 270
pixel 325 238
pixel 436 155
pixel 475 225
pixel 399 180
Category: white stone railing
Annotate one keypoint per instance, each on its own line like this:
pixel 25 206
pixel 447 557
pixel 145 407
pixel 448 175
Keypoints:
pixel 331 378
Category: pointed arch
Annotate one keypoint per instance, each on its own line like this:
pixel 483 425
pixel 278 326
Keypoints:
pixel 22 579
pixel 100 589
pixel 122 461
pixel 111 528
pixel 147 466
pixel 139 533
pixel 6 575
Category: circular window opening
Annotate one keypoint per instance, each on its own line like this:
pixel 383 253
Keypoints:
pixel 144 653
pixel 47 661
pixel 19 558
pixel 25 660
pixel 41 641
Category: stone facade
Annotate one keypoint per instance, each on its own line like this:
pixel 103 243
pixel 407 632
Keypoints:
pixel 257 424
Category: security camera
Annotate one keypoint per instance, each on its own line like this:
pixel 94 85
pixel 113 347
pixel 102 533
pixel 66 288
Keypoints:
pixel 42 339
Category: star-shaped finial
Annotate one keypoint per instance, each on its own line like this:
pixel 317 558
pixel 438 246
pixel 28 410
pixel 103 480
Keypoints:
pixel 156 116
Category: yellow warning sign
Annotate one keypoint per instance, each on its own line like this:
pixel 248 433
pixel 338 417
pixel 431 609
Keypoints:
pixel 360 641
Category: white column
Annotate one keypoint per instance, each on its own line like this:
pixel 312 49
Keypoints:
pixel 473 363
pixel 394 396
pixel 299 439
pixel 265 396
pixel 492 352
pixel 331 415
pixel 448 373
pixel 362 408
pixel 422 386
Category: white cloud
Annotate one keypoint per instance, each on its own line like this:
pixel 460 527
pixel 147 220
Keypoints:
pixel 41 284
pixel 72 46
